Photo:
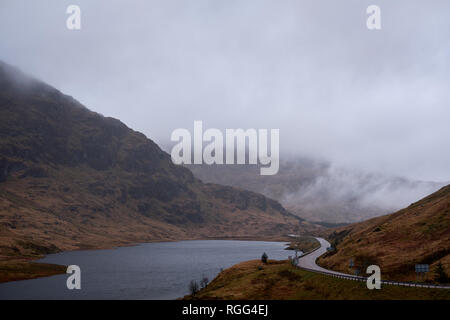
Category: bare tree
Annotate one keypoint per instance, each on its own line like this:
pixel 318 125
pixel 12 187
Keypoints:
pixel 204 282
pixel 193 287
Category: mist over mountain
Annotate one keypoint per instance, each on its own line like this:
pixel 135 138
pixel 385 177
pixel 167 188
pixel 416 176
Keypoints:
pixel 322 192
pixel 336 90
pixel 345 195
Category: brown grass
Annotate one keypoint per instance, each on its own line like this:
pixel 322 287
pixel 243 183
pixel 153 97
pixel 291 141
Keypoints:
pixel 278 280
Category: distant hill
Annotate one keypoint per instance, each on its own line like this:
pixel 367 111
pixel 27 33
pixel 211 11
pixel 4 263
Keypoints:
pixel 320 192
pixel 418 234
pixel 71 178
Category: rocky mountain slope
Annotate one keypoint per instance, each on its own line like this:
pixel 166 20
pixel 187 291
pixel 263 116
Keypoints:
pixel 71 178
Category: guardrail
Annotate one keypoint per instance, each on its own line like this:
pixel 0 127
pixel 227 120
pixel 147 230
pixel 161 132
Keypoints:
pixel 395 283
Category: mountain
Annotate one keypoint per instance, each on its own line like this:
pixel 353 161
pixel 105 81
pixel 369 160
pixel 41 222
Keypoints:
pixel 321 192
pixel 418 234
pixel 71 178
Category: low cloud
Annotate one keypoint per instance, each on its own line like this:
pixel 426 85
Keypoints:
pixel 344 195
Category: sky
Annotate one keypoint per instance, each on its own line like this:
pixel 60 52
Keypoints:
pixel 376 100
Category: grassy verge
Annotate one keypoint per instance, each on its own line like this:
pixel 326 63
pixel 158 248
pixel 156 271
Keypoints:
pixel 278 280
pixel 305 244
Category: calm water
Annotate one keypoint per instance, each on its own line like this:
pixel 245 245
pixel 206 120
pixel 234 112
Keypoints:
pixel 148 271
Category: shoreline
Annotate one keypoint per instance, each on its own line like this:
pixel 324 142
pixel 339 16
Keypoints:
pixel 28 268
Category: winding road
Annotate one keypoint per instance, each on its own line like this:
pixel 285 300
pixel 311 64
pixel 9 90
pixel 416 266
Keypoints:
pixel 308 262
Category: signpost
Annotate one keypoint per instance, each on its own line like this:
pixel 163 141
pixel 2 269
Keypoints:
pixel 421 269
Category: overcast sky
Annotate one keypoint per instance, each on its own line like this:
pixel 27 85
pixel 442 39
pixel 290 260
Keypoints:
pixel 376 100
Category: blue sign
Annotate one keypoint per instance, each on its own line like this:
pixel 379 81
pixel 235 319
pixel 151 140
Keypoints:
pixel 420 268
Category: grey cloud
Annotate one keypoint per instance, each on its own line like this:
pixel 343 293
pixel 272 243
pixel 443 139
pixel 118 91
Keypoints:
pixel 371 100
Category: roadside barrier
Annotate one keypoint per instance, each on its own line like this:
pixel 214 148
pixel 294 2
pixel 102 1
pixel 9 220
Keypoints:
pixel 363 279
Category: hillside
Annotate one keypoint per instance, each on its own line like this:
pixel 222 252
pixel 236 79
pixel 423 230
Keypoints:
pixel 279 280
pixel 418 234
pixel 71 178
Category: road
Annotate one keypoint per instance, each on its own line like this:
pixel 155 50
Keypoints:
pixel 308 262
